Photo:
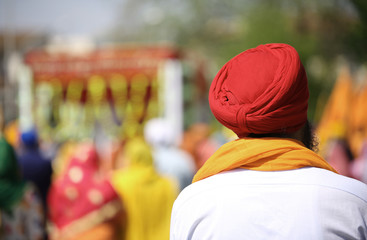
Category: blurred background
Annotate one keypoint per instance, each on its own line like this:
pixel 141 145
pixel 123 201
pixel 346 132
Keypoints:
pixel 102 71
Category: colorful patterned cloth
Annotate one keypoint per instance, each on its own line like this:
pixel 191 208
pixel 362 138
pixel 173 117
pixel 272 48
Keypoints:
pixel 82 197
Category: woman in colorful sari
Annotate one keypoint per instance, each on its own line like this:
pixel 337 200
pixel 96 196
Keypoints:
pixel 21 212
pixel 82 202
pixel 147 197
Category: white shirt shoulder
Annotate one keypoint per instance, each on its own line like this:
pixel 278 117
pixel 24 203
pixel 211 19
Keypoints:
pixel 245 204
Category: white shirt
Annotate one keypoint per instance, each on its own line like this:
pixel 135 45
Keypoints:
pixel 307 203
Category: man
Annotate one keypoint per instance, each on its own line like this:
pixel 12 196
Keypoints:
pixel 34 165
pixel 267 184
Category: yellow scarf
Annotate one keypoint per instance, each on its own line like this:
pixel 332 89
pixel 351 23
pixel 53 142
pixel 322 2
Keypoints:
pixel 261 154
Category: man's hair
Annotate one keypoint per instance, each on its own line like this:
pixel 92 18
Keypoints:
pixel 308 138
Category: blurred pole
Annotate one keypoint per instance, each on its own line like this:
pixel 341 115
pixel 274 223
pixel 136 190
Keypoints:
pixel 173 96
pixel 9 47
pixel 25 98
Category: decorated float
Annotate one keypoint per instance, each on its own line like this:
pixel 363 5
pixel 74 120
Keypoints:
pixel 113 89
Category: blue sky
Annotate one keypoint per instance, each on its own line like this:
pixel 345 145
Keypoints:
pixel 60 17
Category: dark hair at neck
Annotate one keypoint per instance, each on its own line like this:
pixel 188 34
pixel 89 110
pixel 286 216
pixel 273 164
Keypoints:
pixel 308 138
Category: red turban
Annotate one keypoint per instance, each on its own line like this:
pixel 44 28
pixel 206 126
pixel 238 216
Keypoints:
pixel 262 90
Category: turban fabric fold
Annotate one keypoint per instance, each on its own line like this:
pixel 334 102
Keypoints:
pixel 261 90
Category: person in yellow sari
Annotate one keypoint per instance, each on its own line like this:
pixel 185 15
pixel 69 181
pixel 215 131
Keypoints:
pixel 147 197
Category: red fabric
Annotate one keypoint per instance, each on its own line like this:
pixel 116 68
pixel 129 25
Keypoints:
pixel 81 190
pixel 262 90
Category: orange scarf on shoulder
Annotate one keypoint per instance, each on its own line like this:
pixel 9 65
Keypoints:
pixel 261 154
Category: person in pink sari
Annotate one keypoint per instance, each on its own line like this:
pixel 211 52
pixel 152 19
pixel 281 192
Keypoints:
pixel 82 202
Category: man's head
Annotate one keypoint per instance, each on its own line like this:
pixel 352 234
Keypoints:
pixel 263 90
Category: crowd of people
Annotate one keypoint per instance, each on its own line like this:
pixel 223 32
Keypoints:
pixel 76 192
pixel 342 127
pixel 261 179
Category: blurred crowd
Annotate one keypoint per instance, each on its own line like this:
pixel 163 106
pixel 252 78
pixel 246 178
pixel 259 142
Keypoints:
pixel 74 190
pixel 125 188
pixel 342 129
